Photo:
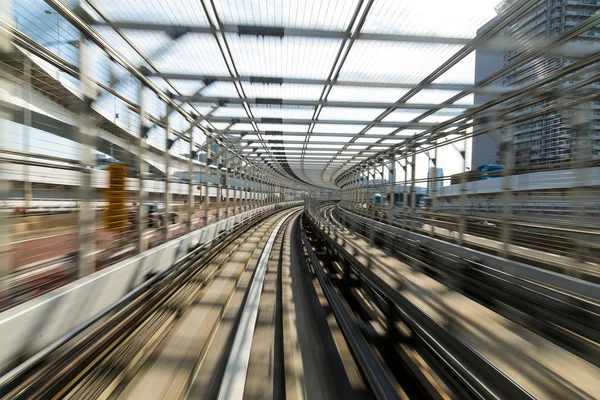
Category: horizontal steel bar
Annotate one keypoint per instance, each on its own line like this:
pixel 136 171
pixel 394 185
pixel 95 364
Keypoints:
pixel 313 103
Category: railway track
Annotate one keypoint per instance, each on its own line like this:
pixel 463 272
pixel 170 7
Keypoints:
pixel 93 363
pixel 465 339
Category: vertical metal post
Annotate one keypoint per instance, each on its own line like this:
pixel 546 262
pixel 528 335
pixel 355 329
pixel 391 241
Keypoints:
pixel 166 215
pixel 235 188
pixel 433 193
pixel 462 217
pixel 86 137
pixel 206 179
pixel 405 195
pixel 27 121
pixel 391 187
pixel 382 207
pixel 227 184
pixel 506 191
pixel 243 198
pixel 190 201
pixel 413 192
pixel 219 187
pixel 142 167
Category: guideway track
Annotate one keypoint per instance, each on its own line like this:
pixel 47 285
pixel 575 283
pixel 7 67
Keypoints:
pixel 494 349
pixel 150 310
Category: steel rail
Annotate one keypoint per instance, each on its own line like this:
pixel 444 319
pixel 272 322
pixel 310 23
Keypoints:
pixel 35 376
pixel 479 378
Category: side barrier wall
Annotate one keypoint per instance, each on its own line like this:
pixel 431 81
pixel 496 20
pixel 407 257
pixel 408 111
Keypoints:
pixel 31 326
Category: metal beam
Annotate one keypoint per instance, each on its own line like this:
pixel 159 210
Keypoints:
pixel 318 134
pixel 313 103
pixel 245 120
pixel 491 89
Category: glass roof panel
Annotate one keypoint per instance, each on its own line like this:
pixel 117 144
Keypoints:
pixel 442 18
pixel 194 53
pixel 404 115
pixel 467 100
pixel 371 94
pixel 186 87
pixel 309 14
pixel 282 91
pixel 266 111
pixel 371 60
pixel 172 12
pixel 461 73
pixel 356 114
pixel 233 110
pixel 379 130
pixel 283 127
pixel 119 44
pixel 297 57
pixel 443 115
pixel 220 89
pixel 242 127
pixel 329 128
pixel 366 140
pixel 432 96
pixel 149 43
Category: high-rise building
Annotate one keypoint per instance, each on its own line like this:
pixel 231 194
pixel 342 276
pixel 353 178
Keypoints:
pixel 548 138
pixel 437 174
pixel 486 148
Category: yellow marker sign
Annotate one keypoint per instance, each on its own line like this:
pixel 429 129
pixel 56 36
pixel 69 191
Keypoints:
pixel 116 214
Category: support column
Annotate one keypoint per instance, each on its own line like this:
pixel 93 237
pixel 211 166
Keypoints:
pixel 227 184
pixel 462 220
pixel 167 216
pixel 507 191
pixel 391 186
pixel 142 167
pixel 86 136
pixel 433 194
pixel 206 179
pixel 190 201
pixel 219 187
pixel 413 193
pixel 381 210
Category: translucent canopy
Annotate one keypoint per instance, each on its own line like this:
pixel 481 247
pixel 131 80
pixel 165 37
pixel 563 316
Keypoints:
pixel 332 81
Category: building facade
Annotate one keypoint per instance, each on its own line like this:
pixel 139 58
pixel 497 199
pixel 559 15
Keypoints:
pixel 567 135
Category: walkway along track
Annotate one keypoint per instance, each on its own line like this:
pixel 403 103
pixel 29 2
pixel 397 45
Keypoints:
pixel 569 319
pixel 93 361
pixel 483 354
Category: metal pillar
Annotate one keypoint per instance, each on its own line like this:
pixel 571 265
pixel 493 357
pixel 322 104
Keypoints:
pixel 413 193
pixel 405 195
pixel 382 190
pixel 506 191
pixel 433 194
pixel 190 201
pixel 166 216
pixel 462 217
pixel 86 135
pixel 235 188
pixel 392 184
pixel 206 179
pixel 219 187
pixel 142 167
pixel 27 188
pixel 227 183
pixel 243 197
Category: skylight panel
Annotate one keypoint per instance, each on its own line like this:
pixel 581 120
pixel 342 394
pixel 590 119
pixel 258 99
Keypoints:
pixel 263 111
pixel 332 128
pixel 440 18
pixel 432 96
pixel 404 115
pixel 284 127
pixel 186 87
pixel 282 91
pixel 310 14
pixel 383 61
pixel 443 115
pixel 242 127
pixel 288 57
pixel 367 94
pixel 193 53
pixel 150 43
pixel 379 130
pixel 173 12
pixel 462 73
pixel 234 111
pixel 356 114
